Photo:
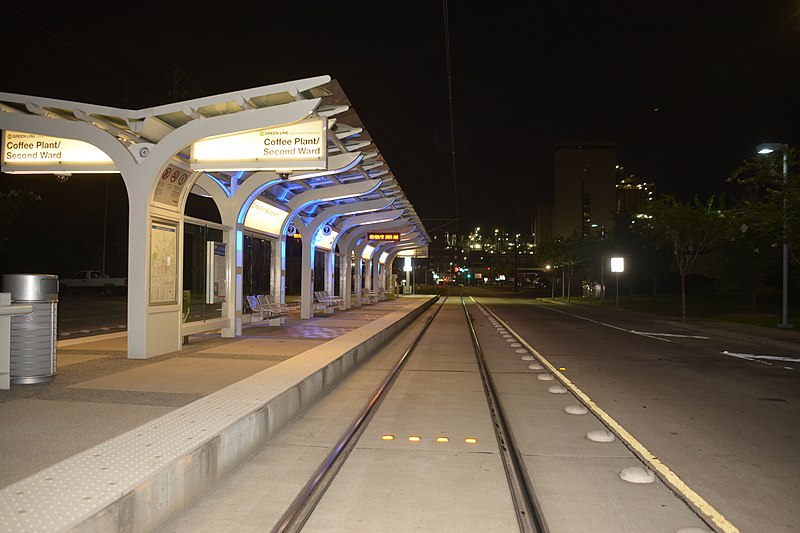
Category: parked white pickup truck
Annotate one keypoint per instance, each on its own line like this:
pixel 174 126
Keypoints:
pixel 93 279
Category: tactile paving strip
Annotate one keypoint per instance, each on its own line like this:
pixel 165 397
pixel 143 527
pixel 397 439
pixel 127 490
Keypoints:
pixel 68 493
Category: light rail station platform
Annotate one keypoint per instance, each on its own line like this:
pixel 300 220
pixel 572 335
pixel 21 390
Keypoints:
pixel 113 441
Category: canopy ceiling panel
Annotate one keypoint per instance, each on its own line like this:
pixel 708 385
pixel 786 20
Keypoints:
pixel 346 134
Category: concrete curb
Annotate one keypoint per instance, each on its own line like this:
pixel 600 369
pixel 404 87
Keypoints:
pixel 149 475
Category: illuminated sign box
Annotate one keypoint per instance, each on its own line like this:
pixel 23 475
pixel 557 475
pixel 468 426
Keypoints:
pixel 383 236
pixel 31 153
pixel 421 252
pixel 299 146
pixel 264 217
pixel 324 241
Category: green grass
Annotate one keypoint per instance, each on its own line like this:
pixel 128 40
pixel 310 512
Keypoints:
pixel 723 307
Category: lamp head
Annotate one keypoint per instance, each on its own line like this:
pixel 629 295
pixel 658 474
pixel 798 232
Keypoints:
pixel 768 148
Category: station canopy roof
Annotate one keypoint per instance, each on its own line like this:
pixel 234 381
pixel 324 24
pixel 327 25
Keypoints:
pixel 347 134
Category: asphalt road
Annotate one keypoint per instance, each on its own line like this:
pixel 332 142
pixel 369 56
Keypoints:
pixel 724 423
pixel 90 313
pixel 718 408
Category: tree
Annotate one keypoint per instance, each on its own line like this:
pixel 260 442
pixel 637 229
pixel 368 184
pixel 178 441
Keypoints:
pixel 649 256
pixel 762 196
pixel 573 255
pixel 690 228
pixel 567 255
pixel 551 254
pixel 590 252
pixel 12 202
pixel 746 255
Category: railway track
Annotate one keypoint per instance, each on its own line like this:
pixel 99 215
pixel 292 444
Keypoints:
pixel 521 492
pixel 456 425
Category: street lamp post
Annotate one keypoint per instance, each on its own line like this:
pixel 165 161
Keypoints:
pixel 768 148
pixel 408 269
pixel 617 266
pixel 602 264
pixel 105 229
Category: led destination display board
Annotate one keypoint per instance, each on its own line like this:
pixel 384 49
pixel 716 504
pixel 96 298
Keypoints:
pixel 383 236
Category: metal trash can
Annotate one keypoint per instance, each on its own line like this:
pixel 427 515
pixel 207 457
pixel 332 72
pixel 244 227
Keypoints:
pixel 33 336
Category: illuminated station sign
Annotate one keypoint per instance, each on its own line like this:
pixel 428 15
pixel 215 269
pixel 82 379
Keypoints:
pixel 292 147
pixel 31 153
pixel 299 146
pixel 383 236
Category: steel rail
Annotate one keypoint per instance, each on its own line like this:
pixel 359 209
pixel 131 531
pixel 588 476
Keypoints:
pixel 298 513
pixel 528 511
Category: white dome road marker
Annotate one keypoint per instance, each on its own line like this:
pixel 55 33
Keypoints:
pixel 667 475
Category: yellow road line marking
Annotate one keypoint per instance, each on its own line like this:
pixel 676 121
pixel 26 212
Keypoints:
pixel 666 474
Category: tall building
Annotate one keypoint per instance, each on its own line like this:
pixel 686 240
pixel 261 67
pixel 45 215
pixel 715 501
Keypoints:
pixel 585 176
pixel 543 223
pixel 633 193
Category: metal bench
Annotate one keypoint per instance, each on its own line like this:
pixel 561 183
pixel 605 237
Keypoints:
pixel 265 312
pixel 269 300
pixel 323 302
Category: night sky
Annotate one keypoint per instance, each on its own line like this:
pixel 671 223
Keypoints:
pixel 686 89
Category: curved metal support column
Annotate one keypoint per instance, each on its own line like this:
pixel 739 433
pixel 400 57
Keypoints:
pixel 346 274
pixel 395 249
pixel 156 329
pixel 233 241
pixel 347 243
pixel 363 220
pixel 379 275
pixel 308 233
pixel 330 268
pixel 379 269
pixel 343 242
pixel 277 282
pixel 358 252
pixel 390 269
pixel 153 330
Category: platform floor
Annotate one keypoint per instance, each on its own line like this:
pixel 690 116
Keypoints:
pixel 98 394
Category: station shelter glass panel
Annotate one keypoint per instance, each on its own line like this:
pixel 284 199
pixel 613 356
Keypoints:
pixel 197 304
pixel 256 266
pixel 294 256
pixel 319 270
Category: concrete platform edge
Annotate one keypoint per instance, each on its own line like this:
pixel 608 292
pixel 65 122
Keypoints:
pixel 155 494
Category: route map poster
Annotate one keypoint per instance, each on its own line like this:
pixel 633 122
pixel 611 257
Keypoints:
pixel 163 264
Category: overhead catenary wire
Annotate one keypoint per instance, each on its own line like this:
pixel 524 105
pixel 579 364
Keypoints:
pixel 450 101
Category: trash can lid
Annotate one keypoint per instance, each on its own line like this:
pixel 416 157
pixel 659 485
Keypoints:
pixel 31 287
